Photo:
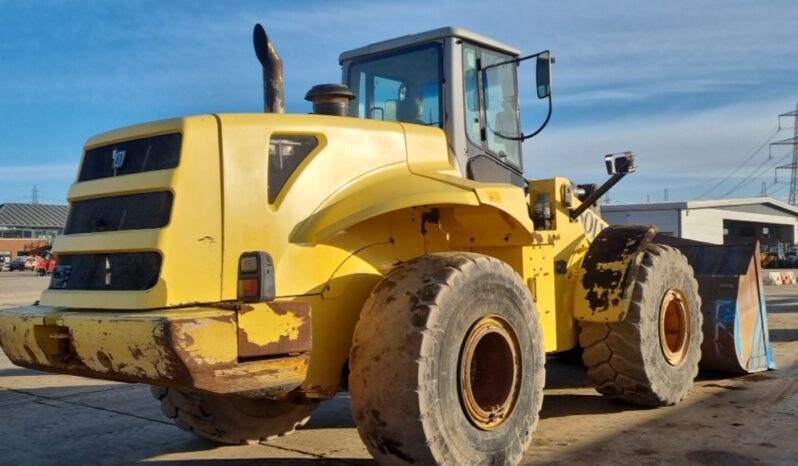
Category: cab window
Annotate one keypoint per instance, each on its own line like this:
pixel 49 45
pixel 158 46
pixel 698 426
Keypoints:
pixel 471 93
pixel 501 107
pixel 399 86
pixel 499 102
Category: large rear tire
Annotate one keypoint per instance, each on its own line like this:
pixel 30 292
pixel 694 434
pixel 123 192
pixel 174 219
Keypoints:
pixel 230 418
pixel 447 365
pixel 651 357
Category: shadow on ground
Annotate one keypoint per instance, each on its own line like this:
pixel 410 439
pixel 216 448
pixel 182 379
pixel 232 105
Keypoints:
pixel 19 371
pixel 272 462
pixel 783 334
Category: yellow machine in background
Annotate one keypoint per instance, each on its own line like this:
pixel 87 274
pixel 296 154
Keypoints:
pixel 249 266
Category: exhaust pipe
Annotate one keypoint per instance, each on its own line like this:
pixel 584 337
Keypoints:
pixel 273 80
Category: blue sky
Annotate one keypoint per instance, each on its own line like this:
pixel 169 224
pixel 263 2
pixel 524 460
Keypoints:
pixel 692 87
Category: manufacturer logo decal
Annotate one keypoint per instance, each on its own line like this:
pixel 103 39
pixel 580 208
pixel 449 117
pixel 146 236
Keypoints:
pixel 118 158
pixel 592 224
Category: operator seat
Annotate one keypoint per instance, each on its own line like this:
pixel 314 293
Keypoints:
pixel 410 108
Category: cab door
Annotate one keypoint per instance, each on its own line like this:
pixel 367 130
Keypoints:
pixel 491 116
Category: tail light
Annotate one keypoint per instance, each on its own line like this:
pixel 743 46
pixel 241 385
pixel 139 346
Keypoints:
pixel 255 277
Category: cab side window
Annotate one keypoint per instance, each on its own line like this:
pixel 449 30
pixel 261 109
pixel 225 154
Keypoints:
pixel 471 83
pixel 501 107
pixel 499 103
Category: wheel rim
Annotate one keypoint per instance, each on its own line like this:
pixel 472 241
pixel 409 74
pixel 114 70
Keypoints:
pixel 674 326
pixel 490 372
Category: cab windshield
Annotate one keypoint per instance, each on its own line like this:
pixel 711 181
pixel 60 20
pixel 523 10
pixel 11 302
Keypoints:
pixel 398 86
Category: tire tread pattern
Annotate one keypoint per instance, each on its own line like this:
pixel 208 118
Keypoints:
pixel 213 417
pixel 397 429
pixel 622 358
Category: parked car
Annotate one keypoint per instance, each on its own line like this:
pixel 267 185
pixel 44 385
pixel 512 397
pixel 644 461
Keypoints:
pixel 45 266
pixel 30 263
pixel 18 264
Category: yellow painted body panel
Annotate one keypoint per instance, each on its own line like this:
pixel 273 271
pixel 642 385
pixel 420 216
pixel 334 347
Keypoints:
pixel 371 194
pixel 268 326
pixel 188 348
pixel 191 244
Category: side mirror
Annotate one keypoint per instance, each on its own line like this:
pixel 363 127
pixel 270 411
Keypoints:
pixel 543 74
pixel 621 163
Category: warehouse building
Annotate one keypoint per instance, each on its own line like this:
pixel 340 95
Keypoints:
pixel 26 227
pixel 724 221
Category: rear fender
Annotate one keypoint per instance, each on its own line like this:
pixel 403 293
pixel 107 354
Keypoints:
pixel 393 188
pixel 609 273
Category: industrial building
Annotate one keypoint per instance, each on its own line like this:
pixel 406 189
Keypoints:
pixel 724 221
pixel 25 227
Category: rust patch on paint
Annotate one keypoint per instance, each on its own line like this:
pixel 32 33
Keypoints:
pixel 188 349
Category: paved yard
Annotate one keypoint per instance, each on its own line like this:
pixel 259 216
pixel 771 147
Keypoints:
pixel 55 419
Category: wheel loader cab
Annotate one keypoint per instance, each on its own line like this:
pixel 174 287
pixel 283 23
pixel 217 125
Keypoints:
pixel 445 78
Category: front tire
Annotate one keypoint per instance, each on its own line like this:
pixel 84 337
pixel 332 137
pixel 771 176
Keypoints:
pixel 650 358
pixel 447 365
pixel 230 418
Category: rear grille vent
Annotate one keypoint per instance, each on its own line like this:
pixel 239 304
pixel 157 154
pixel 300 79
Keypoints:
pixel 118 213
pixel 119 271
pixel 128 157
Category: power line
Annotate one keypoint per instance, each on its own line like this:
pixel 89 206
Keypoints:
pixel 746 160
pixel 756 173
pixel 773 191
pixel 12 199
pixel 62 200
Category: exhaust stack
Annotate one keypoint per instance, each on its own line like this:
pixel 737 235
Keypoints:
pixel 273 80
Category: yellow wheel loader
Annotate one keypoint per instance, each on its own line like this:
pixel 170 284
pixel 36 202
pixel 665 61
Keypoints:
pixel 251 266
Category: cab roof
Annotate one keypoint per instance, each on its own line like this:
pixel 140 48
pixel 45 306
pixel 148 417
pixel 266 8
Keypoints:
pixel 421 37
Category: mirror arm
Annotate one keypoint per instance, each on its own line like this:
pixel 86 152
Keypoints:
pixel 543 125
pixel 524 137
pixel 515 60
pixel 595 195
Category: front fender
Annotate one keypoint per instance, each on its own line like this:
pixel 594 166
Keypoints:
pixel 609 272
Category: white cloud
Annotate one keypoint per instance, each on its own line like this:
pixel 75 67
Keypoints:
pixel 44 171
pixel 616 59
pixel 695 150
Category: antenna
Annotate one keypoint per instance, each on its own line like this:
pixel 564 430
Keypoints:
pixel 764 191
pixel 665 195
